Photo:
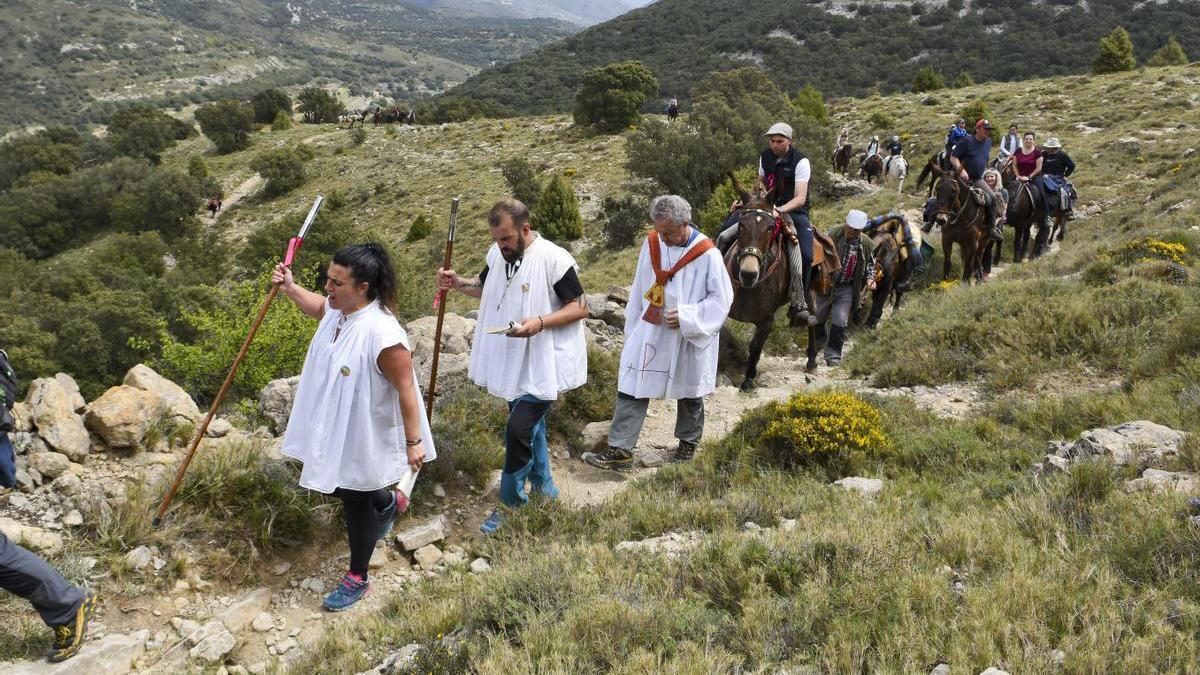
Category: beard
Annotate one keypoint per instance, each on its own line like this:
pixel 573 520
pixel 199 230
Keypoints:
pixel 515 254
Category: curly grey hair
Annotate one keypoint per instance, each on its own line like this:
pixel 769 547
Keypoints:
pixel 671 207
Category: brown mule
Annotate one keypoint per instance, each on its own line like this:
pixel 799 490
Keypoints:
pixel 841 159
pixel 872 169
pixel 963 221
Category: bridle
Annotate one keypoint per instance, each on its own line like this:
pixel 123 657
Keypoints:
pixel 764 257
pixel 958 200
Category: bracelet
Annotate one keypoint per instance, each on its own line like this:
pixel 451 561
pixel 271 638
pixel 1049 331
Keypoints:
pixel 541 323
pixel 412 441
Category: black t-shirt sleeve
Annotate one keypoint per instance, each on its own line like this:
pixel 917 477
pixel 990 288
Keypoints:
pixel 568 287
pixel 483 275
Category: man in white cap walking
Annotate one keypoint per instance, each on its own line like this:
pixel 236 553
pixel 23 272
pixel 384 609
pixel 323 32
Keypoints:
pixel 785 169
pixel 858 270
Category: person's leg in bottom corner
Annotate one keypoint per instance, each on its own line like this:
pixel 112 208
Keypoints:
pixel 63 606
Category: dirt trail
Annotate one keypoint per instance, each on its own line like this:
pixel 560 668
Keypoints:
pixel 246 188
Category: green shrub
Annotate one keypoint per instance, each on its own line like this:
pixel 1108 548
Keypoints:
pixel 358 135
pixel 556 214
pixel 928 79
pixel 834 433
pixel 964 79
pixel 610 96
pixel 319 106
pixel 1100 273
pixel 881 119
pixel 975 111
pixel 283 169
pixel 1171 54
pixel 810 102
pixel 227 124
pixel 1114 53
pixel 624 221
pixel 420 229
pixel 522 180
pixel 269 104
pixel 282 121
pixel 468 427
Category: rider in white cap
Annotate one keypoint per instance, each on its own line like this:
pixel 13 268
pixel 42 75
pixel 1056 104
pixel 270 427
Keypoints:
pixel 783 168
pixel 858 270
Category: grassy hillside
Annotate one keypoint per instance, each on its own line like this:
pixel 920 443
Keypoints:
pixel 965 557
pixel 842 48
pixel 66 62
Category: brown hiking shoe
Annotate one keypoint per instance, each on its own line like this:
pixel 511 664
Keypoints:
pixel 69 637
pixel 684 452
pixel 615 459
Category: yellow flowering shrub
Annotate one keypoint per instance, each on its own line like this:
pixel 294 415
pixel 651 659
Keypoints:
pixel 836 432
pixel 1147 249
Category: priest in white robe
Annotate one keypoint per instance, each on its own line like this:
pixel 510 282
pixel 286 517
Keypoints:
pixel 679 300
pixel 529 344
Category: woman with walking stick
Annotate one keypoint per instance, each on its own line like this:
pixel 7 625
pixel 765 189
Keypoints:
pixel 358 423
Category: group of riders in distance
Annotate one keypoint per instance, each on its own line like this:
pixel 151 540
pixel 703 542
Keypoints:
pixel 775 256
pixel 379 115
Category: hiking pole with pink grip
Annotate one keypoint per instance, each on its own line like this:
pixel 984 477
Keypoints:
pixel 293 248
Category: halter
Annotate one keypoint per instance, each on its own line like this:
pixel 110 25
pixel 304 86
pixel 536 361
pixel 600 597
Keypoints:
pixel 958 185
pixel 764 258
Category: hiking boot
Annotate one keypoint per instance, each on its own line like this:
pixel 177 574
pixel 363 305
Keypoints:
pixel 491 523
pixel 684 452
pixel 351 589
pixel 69 637
pixel 800 317
pixel 387 517
pixel 997 232
pixel 615 459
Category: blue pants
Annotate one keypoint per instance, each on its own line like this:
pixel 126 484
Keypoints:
pixel 526 452
pixel 25 574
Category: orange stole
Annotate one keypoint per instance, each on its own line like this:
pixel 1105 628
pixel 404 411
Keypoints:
pixel 654 296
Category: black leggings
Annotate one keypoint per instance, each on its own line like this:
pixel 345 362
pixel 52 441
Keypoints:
pixel 362 523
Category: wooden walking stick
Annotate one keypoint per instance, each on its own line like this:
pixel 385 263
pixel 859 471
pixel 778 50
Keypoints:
pixel 439 303
pixel 293 247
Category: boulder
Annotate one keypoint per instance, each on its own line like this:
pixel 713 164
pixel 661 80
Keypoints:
pixel 1129 443
pixel 670 545
pixel 53 412
pixel 140 557
pixel 1155 479
pixel 868 487
pixel 110 655
pixel 479 566
pixel 595 437
pixel 22 417
pixel 213 649
pixel 176 401
pixel 1128 145
pixel 36 539
pixel 123 414
pixel 428 556
pixel 67 484
pixel 275 401
pixel 458 332
pixel 50 465
pixel 242 613
pixel 263 622
pixel 73 394
pixel 399 662
pixel 431 531
pixel 219 428
pixel 619 294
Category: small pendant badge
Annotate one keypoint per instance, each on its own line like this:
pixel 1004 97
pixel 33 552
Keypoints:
pixel 346 371
pixel 524 288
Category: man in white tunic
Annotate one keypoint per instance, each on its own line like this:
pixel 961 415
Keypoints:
pixel 678 302
pixel 529 344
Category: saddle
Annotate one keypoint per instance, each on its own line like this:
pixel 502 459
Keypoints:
pixel 983 197
pixel 825 261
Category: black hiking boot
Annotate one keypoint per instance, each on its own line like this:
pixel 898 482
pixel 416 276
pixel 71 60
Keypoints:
pixel 800 317
pixel 684 452
pixel 614 459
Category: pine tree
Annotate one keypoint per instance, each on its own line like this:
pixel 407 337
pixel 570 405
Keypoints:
pixel 522 180
pixel 1115 53
pixel 556 214
pixel 1171 54
pixel 810 102
pixel 964 79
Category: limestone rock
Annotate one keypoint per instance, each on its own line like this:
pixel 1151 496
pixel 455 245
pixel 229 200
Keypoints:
pixel 994 671
pixel 397 662
pixel 619 294
pixel 1155 479
pixel 595 437
pixel 479 566
pixel 428 556
pixel 219 428
pixel 671 545
pixel 140 557
pixel 868 487
pixel 940 669
pixel 184 627
pixel 34 538
pixel 458 332
pixel 53 412
pixel 263 622
pixel 1128 145
pixel 243 612
pixel 110 655
pixel 175 400
pixel 431 531
pixel 72 389
pixel 213 649
pixel 275 401
pixel 67 484
pixel 123 414
pixel 50 464
pixel 1128 443
pixel 22 417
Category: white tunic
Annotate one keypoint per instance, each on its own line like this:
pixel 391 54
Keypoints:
pixel 346 424
pixel 661 362
pixel 554 360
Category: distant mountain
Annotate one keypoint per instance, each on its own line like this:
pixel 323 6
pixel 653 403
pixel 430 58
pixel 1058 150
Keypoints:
pixel 582 12
pixel 69 60
pixel 842 47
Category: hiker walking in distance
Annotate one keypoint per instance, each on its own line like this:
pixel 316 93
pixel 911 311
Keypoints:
pixel 529 344
pixel 680 297
pixel 358 423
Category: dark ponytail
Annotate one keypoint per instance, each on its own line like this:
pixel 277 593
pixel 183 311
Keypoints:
pixel 370 263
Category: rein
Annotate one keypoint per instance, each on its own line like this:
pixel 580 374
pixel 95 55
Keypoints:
pixel 958 187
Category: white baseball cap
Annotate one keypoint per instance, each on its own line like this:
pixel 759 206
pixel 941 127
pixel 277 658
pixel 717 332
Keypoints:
pixel 856 220
pixel 780 129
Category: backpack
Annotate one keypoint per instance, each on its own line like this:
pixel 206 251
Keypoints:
pixel 9 384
